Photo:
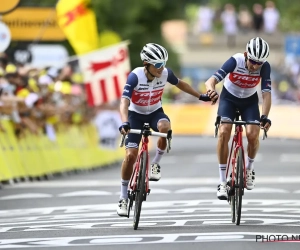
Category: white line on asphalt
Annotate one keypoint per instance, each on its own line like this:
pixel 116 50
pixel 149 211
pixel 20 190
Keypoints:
pixel 26 196
pixel 85 193
pixel 140 239
pixel 290 205
pixel 163 182
pixel 290 158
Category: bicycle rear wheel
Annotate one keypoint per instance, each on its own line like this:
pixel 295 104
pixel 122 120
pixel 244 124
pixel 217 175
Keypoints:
pixel 139 196
pixel 239 186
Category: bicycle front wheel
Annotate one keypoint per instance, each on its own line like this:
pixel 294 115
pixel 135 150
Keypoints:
pixel 239 187
pixel 139 197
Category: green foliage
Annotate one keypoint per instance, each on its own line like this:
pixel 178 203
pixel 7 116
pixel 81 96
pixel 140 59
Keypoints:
pixel 138 21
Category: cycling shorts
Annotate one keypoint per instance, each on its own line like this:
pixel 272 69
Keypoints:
pixel 137 121
pixel 229 103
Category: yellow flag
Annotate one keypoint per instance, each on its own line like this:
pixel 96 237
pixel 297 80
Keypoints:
pixel 78 22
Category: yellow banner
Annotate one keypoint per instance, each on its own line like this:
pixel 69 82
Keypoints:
pixel 27 24
pixel 199 119
pixel 33 156
pixel 78 22
pixel 7 6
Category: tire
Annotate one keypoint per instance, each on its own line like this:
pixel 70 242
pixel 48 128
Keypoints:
pixel 239 186
pixel 139 196
pixel 232 205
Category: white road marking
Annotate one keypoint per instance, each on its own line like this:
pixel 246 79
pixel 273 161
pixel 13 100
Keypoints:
pixel 87 193
pixel 84 193
pixel 290 158
pixel 163 182
pixel 135 239
pixel 196 190
pixel 26 196
pixel 208 204
pixel 267 191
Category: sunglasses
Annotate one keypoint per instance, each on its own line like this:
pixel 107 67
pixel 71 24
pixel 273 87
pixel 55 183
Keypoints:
pixel 255 62
pixel 159 65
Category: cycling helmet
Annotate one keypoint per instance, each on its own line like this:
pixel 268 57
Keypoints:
pixel 258 49
pixel 154 53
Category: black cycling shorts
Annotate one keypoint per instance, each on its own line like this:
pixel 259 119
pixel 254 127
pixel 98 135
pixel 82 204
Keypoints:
pixel 137 121
pixel 229 103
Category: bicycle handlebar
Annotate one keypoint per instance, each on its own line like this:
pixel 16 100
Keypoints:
pixel 239 123
pixel 168 136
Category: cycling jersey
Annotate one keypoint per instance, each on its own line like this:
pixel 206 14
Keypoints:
pixel 145 95
pixel 239 81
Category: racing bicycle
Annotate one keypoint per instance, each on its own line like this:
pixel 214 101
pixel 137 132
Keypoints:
pixel 236 183
pixel 139 181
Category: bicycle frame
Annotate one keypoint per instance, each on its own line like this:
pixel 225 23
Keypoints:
pixel 134 176
pixel 237 142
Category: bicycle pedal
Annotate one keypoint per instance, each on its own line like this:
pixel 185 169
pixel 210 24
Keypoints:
pixel 148 191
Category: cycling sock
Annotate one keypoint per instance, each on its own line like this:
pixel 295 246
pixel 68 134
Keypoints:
pixel 158 155
pixel 222 172
pixel 124 189
pixel 250 163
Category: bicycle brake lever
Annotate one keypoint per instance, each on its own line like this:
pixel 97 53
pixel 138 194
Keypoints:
pixel 216 130
pixel 265 134
pixel 122 141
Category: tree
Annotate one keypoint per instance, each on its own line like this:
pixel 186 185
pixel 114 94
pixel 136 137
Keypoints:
pixel 138 21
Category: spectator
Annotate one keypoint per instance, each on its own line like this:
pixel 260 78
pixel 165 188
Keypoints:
pixel 245 19
pixel 258 19
pixel 229 20
pixel 205 19
pixel 271 18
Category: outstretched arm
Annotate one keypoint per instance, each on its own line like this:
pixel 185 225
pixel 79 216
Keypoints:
pixel 185 87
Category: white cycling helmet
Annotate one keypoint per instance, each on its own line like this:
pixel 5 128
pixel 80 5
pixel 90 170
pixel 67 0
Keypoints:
pixel 154 53
pixel 258 49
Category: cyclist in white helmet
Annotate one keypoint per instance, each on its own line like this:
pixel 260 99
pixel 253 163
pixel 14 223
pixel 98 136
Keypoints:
pixel 141 103
pixel 241 74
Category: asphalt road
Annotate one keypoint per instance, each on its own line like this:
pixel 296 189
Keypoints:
pixel 182 211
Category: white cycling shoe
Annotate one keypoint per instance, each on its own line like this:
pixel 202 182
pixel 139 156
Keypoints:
pixel 250 179
pixel 122 208
pixel 222 191
pixel 155 174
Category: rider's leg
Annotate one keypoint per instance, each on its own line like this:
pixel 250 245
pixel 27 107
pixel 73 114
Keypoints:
pixel 222 148
pixel 132 144
pixel 163 127
pixel 226 110
pixel 126 170
pixel 160 122
pixel 251 113
pixel 252 133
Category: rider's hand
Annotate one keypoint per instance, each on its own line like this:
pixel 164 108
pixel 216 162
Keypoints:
pixel 213 95
pixel 124 128
pixel 265 122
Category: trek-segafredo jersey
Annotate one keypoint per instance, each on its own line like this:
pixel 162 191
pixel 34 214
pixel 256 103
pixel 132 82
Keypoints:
pixel 145 96
pixel 239 81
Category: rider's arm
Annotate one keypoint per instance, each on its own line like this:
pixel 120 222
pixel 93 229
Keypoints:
pixel 182 85
pixel 185 87
pixel 219 76
pixel 266 88
pixel 124 104
pixel 131 83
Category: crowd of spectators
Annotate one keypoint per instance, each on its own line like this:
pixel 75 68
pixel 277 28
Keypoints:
pixel 242 20
pixel 41 100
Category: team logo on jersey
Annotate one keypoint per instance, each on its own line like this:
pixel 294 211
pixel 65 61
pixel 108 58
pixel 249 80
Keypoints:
pixel 146 98
pixel 244 81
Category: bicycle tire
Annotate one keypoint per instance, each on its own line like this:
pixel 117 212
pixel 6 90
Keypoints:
pixel 239 186
pixel 232 205
pixel 139 196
